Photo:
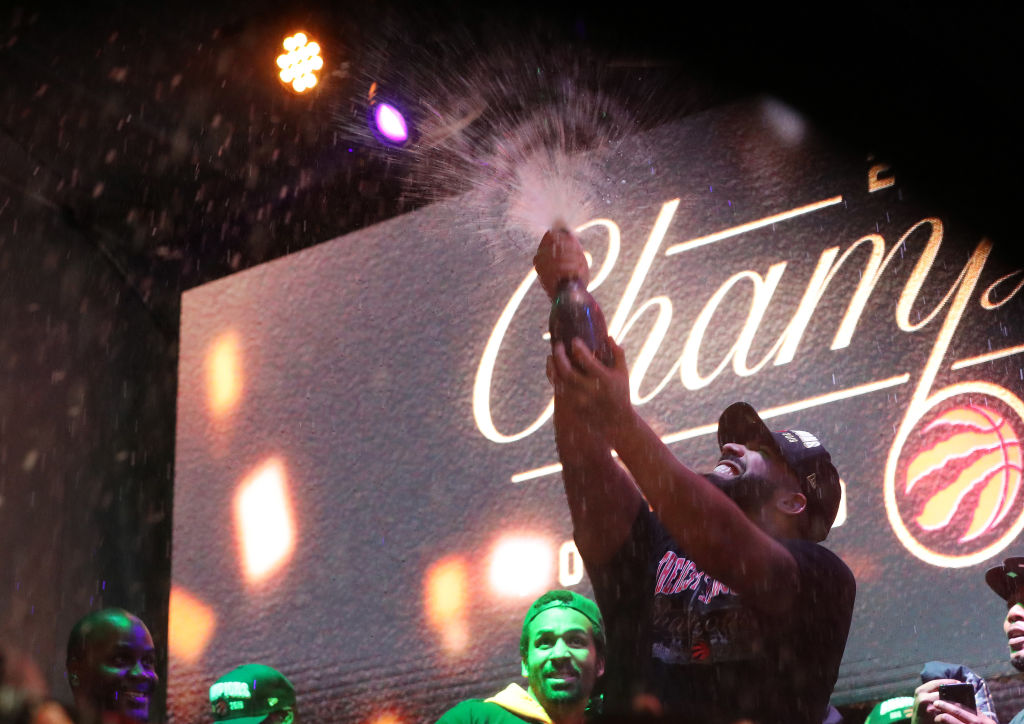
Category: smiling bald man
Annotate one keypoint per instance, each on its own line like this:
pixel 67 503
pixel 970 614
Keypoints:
pixel 111 667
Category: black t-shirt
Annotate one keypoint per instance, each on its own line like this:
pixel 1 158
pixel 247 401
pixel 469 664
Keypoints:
pixel 679 635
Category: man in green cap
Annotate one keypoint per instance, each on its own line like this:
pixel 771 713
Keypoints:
pixel 897 710
pixel 562 654
pixel 253 694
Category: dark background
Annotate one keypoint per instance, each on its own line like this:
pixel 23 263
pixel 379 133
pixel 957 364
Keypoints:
pixel 144 151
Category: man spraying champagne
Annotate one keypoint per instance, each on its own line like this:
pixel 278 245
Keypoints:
pixel 720 605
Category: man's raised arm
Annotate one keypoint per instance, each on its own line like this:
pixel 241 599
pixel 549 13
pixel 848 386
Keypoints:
pixel 715 532
pixel 603 500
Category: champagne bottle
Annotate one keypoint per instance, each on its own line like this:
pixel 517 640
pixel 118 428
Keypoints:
pixel 575 313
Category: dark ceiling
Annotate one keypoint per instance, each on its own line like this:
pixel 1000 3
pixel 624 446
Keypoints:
pixel 162 137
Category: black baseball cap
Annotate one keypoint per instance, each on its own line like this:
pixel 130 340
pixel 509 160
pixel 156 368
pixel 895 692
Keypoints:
pixel 1008 579
pixel 248 694
pixel 802 451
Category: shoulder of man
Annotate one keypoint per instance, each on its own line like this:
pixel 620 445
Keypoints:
pixel 1019 718
pixel 813 558
pixel 478 711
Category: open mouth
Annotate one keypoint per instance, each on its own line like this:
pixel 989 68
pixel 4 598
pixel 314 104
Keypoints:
pixel 563 675
pixel 728 469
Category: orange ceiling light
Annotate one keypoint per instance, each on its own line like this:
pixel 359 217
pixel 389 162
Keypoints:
pixel 300 63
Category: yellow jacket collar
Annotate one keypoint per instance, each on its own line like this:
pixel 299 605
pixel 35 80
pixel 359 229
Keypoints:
pixel 518 701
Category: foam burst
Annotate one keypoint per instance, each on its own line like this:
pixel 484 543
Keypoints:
pixel 509 125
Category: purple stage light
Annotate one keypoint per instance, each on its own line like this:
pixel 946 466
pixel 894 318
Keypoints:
pixel 390 123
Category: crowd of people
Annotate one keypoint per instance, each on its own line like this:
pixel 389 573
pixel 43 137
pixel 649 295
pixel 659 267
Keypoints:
pixel 715 602
pixel 564 652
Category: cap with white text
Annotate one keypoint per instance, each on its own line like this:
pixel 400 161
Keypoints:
pixel 248 694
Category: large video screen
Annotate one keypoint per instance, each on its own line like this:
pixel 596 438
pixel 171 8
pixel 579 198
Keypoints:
pixel 367 493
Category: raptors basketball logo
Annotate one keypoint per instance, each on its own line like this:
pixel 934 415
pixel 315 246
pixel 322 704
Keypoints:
pixel 953 486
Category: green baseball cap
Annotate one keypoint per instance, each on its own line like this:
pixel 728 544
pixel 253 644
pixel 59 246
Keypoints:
pixel 564 599
pixel 896 710
pixel 248 694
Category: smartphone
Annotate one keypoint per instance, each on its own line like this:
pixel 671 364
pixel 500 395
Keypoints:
pixel 962 694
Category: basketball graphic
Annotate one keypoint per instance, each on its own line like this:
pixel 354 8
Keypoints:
pixel 953 483
pixel 976 452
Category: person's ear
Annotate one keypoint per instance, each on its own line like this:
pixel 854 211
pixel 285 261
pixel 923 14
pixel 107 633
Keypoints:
pixel 73 680
pixel 791 503
pixel 600 667
pixel 523 670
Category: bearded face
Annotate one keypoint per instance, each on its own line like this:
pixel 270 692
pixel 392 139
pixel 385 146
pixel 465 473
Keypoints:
pixel 748 490
pixel 561 663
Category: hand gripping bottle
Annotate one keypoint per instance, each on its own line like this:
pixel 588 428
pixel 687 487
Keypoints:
pixel 575 313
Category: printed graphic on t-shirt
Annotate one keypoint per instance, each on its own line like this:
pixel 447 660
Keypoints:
pixel 698 620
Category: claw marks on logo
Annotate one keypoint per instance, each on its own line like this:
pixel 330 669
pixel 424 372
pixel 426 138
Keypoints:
pixel 957 485
pixel 971 468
